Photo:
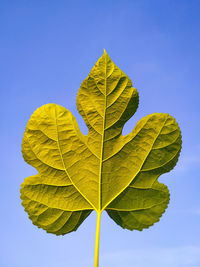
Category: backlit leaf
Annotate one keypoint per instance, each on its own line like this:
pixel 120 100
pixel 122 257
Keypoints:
pixel 103 170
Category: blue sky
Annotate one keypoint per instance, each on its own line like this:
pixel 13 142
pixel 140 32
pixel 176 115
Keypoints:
pixel 46 49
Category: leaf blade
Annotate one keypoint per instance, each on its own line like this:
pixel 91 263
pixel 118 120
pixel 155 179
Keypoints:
pixel 104 168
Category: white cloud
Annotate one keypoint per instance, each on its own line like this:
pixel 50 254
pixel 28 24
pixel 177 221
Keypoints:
pixel 182 256
pixel 154 257
pixel 196 211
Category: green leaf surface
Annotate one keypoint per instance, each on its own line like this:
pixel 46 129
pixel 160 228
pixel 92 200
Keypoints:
pixel 103 170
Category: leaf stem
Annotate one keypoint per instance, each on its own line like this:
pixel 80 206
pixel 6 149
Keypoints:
pixel 96 256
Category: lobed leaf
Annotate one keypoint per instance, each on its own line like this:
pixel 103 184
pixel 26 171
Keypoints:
pixel 103 170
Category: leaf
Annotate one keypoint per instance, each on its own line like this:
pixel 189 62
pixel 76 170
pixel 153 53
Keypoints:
pixel 103 170
pixel 139 208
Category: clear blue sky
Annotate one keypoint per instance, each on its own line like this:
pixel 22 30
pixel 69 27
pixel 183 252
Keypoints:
pixel 46 49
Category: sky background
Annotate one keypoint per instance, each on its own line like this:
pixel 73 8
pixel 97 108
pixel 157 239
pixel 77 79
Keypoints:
pixel 47 48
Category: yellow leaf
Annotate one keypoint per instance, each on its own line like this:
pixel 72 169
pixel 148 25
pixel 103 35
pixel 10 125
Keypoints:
pixel 103 170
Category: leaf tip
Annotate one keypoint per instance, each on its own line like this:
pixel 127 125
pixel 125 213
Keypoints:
pixel 105 53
